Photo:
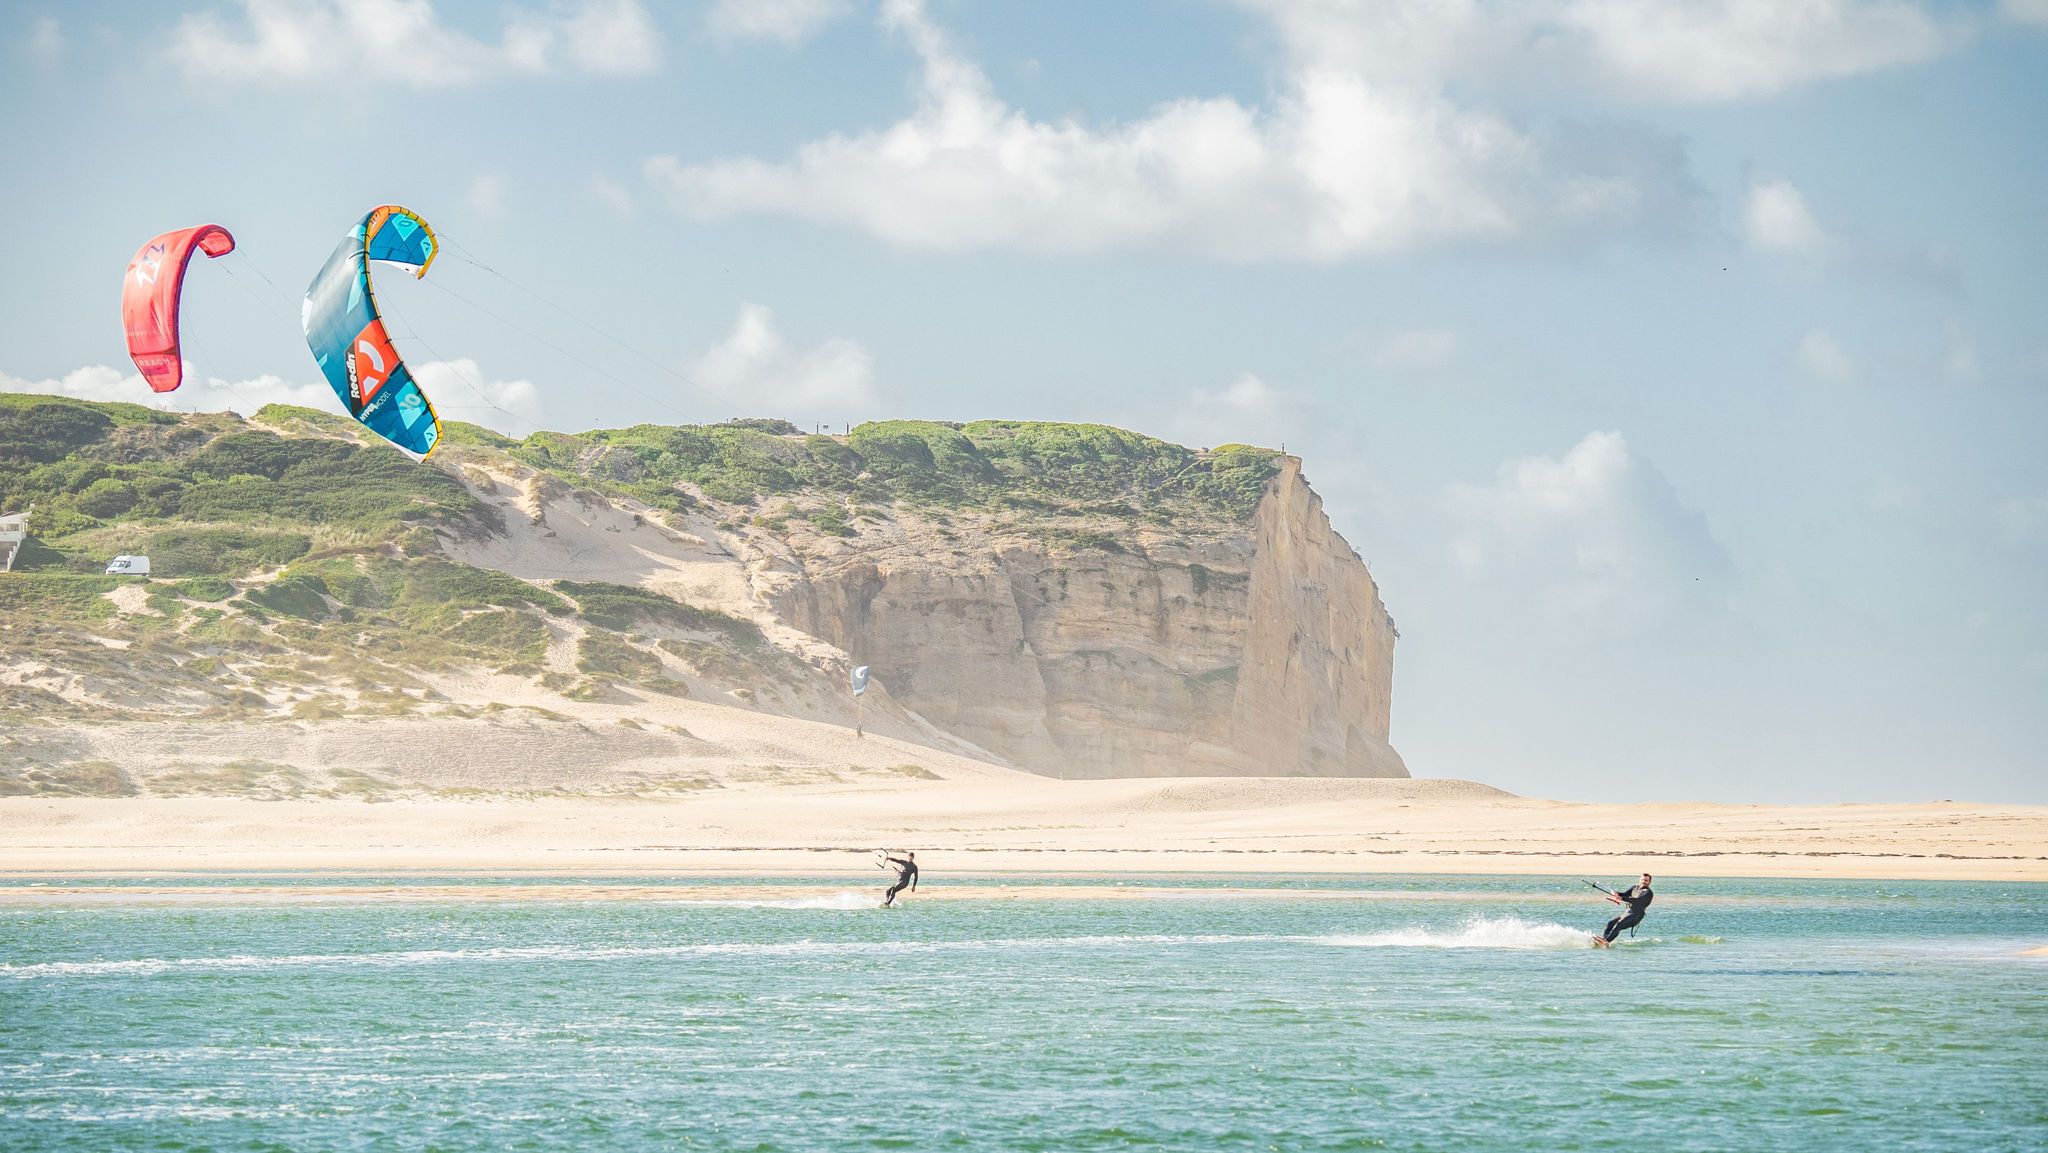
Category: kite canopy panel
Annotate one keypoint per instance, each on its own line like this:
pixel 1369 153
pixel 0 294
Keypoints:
pixel 346 332
pixel 150 295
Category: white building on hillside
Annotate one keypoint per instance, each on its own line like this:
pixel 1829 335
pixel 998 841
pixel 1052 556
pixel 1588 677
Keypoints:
pixel 13 530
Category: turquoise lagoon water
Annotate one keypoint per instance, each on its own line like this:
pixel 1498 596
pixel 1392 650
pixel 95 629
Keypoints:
pixel 1362 1013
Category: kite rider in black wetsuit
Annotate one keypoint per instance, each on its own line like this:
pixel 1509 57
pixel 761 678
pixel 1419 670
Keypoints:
pixel 906 875
pixel 1637 897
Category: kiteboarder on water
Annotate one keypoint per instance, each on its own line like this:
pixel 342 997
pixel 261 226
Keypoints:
pixel 1637 898
pixel 906 875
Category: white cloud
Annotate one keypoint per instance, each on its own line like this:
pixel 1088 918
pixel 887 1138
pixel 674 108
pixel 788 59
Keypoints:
pixel 448 384
pixel 461 391
pixel 756 364
pixel 46 41
pixel 1340 165
pixel 487 196
pixel 787 21
pixel 605 37
pixel 614 196
pixel 1247 411
pixel 198 393
pixel 1820 355
pixel 405 42
pixel 1416 348
pixel 1597 538
pixel 1736 49
pixel 1778 220
pixel 2034 12
pixel 1677 50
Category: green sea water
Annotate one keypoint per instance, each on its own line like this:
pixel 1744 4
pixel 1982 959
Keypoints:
pixel 1439 1013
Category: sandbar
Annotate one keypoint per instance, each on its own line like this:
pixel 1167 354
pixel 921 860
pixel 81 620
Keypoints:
pixel 1013 825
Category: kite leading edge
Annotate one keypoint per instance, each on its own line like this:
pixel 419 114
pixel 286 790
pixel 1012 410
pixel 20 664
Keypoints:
pixel 346 332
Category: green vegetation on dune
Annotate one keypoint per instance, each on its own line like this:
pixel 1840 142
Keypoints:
pixel 299 595
pixel 607 654
pixel 260 476
pixel 458 432
pixel 181 552
pixel 922 458
pixel 728 462
pixel 625 607
pixel 204 588
pixel 57 596
pixel 413 612
pixel 424 591
pixel 298 418
pixel 991 464
pixel 367 619
pixel 41 429
pixel 208 494
pixel 517 637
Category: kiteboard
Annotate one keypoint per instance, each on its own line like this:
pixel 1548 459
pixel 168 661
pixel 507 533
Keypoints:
pixel 1600 942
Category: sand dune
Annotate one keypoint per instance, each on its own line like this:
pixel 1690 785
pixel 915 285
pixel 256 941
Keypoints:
pixel 533 782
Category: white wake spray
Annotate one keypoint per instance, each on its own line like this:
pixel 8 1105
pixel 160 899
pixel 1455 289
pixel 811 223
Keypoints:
pixel 1478 933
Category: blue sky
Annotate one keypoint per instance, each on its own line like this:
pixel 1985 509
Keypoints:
pixel 1681 369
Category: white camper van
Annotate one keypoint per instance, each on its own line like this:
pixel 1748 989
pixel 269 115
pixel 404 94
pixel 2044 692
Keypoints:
pixel 129 566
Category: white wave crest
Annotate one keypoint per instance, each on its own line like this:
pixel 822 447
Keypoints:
pixel 1478 933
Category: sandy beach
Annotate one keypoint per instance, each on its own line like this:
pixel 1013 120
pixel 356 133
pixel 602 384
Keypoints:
pixel 1008 823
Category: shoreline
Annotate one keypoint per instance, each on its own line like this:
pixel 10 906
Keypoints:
pixel 325 887
pixel 1051 863
pixel 1256 827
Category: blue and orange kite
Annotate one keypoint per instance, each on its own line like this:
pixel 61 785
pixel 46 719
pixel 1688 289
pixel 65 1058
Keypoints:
pixel 346 332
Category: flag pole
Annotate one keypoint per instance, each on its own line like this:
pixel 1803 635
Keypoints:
pixel 858 682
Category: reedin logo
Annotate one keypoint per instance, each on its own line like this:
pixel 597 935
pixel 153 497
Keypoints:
pixel 148 263
pixel 371 361
pixel 370 381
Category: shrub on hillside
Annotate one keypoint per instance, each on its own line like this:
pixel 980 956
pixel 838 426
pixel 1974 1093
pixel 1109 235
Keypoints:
pixel 204 588
pixel 107 497
pixel 35 428
pixel 300 595
pixel 178 552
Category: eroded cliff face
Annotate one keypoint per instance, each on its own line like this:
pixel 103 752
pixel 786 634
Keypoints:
pixel 1262 651
pixel 1315 689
